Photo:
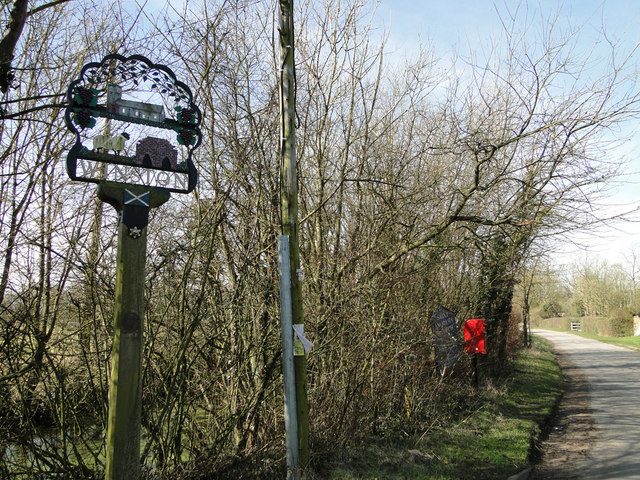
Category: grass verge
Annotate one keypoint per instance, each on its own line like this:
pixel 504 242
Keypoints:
pixel 490 438
pixel 627 342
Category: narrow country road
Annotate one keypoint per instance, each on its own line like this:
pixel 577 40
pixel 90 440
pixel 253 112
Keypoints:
pixel 613 376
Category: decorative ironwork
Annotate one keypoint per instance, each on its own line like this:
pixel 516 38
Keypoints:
pixel 139 96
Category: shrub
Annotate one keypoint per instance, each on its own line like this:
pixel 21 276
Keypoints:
pixel 550 309
pixel 621 323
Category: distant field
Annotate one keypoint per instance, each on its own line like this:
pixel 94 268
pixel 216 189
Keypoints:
pixel 628 342
pixel 601 326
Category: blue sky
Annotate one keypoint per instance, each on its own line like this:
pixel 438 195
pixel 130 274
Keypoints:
pixel 468 25
pixel 450 22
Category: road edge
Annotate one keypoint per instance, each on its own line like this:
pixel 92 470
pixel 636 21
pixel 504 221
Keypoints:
pixel 567 435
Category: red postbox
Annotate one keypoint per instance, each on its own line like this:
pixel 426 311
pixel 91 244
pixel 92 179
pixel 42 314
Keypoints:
pixel 474 336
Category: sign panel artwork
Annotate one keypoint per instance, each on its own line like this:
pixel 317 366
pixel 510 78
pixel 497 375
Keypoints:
pixel 134 123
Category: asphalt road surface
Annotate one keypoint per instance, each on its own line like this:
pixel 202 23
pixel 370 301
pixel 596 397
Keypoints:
pixel 613 374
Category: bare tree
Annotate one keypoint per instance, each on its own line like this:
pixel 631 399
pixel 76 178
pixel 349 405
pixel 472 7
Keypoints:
pixel 420 185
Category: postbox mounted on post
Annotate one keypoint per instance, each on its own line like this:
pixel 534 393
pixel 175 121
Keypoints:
pixel 134 123
pixel 474 336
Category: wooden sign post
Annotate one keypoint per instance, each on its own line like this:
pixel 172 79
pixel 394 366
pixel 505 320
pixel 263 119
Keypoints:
pixel 129 95
pixel 123 424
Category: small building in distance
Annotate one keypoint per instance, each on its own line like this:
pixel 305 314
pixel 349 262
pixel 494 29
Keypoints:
pixel 130 108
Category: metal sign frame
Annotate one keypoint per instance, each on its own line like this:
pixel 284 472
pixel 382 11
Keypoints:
pixel 99 92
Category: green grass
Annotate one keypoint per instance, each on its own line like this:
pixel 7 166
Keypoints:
pixel 627 342
pixel 490 439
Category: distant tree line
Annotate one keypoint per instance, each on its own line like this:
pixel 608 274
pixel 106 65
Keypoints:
pixel 588 288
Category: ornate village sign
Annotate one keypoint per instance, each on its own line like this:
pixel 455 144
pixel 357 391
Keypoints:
pixel 156 129
pixel 155 125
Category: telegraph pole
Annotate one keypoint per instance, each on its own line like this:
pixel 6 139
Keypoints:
pixel 289 206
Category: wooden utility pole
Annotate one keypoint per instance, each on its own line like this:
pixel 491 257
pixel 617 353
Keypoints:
pixel 289 194
pixel 123 425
